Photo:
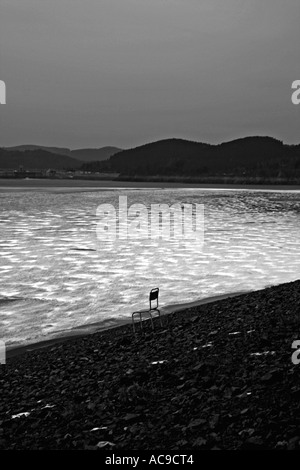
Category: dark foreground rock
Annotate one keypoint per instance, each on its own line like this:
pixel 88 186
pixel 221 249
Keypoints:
pixel 219 376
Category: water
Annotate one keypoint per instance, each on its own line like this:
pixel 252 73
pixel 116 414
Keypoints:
pixel 56 275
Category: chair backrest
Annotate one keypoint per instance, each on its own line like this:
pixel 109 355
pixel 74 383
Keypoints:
pixel 153 297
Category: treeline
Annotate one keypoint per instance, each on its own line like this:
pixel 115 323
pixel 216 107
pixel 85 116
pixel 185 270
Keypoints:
pixel 249 157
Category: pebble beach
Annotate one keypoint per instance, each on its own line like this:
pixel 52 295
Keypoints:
pixel 214 376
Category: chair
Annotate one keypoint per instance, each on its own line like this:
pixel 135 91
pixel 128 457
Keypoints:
pixel 153 297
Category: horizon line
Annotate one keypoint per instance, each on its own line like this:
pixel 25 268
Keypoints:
pixel 152 142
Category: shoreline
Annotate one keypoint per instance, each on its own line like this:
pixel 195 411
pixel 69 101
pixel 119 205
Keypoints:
pixel 7 185
pixel 98 327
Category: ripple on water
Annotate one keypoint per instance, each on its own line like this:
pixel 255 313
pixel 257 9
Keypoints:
pixel 65 277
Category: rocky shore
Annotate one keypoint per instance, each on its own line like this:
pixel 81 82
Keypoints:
pixel 216 376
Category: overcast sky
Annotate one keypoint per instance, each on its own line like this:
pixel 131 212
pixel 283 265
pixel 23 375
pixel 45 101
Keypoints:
pixel 89 73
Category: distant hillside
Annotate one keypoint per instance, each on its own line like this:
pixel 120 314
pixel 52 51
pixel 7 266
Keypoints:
pixel 21 148
pixel 36 159
pixel 249 156
pixel 92 155
pixel 84 155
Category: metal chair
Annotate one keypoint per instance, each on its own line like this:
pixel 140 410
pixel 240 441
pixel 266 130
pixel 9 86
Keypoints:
pixel 153 297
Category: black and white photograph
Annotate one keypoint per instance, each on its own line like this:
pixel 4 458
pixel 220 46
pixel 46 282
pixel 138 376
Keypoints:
pixel 149 228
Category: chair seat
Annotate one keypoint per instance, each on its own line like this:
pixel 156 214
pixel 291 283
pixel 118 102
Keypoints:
pixel 146 310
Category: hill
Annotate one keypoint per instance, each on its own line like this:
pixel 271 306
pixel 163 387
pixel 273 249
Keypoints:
pixel 36 159
pixel 22 148
pixel 84 155
pixel 92 155
pixel 249 156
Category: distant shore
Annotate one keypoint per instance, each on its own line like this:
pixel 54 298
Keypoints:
pixel 7 185
pixel 215 376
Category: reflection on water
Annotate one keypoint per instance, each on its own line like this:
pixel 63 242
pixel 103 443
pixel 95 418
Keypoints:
pixel 56 275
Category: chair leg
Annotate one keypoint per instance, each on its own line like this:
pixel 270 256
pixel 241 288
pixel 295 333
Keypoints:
pixel 151 320
pixel 160 320
pixel 133 323
pixel 141 322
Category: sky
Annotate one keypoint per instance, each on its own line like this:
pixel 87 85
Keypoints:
pixel 91 73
